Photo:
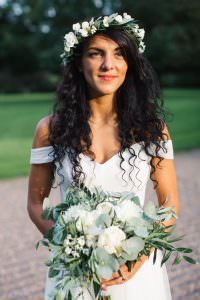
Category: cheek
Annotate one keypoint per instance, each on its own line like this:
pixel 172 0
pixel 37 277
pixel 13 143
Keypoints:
pixel 89 70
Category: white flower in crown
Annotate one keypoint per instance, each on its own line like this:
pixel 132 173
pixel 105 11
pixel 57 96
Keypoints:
pixel 126 16
pixel 70 39
pixel 118 18
pixel 141 33
pixel 76 27
pixel 83 32
pixel 93 29
pixel 85 25
pixel 91 21
pixel 142 47
pixel 106 21
pixel 85 29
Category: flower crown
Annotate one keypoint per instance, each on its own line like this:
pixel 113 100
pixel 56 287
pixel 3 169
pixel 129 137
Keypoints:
pixel 86 29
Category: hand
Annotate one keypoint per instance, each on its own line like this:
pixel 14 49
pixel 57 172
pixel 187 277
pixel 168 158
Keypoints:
pixel 116 278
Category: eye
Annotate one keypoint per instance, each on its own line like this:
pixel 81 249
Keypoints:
pixel 119 53
pixel 92 54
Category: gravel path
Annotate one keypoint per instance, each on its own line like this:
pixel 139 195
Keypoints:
pixel 22 272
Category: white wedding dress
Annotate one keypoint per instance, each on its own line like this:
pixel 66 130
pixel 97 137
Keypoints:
pixel 151 281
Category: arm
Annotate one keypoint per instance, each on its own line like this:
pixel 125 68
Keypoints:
pixel 40 180
pixel 167 185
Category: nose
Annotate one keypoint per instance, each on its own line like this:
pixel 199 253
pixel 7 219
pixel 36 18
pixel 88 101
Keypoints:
pixel 108 62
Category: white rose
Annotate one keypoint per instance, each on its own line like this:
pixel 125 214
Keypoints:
pixel 76 26
pixel 111 239
pixel 106 21
pixel 127 210
pixel 126 16
pixel 85 25
pixel 83 32
pixel 119 19
pixel 70 39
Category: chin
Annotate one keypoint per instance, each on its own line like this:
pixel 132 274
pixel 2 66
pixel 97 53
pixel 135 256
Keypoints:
pixel 106 90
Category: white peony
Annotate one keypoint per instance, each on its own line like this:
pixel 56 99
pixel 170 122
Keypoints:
pixel 106 21
pixel 127 209
pixel 111 239
pixel 119 19
pixel 76 26
pixel 105 208
pixel 87 219
pixel 72 213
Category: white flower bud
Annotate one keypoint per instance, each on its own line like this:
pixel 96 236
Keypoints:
pixel 126 16
pixel 106 21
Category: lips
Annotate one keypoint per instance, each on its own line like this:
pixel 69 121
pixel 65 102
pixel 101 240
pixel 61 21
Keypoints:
pixel 107 77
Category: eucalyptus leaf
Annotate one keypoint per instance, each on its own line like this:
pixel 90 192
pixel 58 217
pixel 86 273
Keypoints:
pixel 103 220
pixel 177 260
pixel 133 245
pixel 104 271
pixel 150 210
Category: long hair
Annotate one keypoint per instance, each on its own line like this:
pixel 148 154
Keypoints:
pixel 139 107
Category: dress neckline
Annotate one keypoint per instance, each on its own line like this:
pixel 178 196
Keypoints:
pixel 84 156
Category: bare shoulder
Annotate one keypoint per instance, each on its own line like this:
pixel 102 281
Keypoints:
pixel 41 135
pixel 165 132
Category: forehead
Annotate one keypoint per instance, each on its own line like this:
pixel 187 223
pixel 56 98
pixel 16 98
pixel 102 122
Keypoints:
pixel 101 41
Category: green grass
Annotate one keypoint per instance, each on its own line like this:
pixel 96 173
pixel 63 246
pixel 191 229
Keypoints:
pixel 184 126
pixel 20 113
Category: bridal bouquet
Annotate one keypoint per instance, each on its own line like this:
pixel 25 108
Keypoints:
pixel 95 233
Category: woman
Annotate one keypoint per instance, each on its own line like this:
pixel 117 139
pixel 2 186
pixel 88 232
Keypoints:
pixel 107 129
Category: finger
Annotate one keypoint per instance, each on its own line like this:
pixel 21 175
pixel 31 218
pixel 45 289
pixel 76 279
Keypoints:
pixel 118 280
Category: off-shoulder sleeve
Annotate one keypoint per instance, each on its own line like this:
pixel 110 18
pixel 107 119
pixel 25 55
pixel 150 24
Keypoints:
pixel 168 153
pixel 41 155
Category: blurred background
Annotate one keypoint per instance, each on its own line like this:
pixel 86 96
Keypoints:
pixel 31 41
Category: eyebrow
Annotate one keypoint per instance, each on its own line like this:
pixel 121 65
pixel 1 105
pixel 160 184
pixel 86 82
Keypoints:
pixel 99 49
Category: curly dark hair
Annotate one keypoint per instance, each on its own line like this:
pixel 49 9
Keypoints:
pixel 139 107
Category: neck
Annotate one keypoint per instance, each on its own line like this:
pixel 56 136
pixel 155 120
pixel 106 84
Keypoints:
pixel 103 108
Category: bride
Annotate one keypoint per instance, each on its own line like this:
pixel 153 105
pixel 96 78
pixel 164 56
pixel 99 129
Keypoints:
pixel 107 129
